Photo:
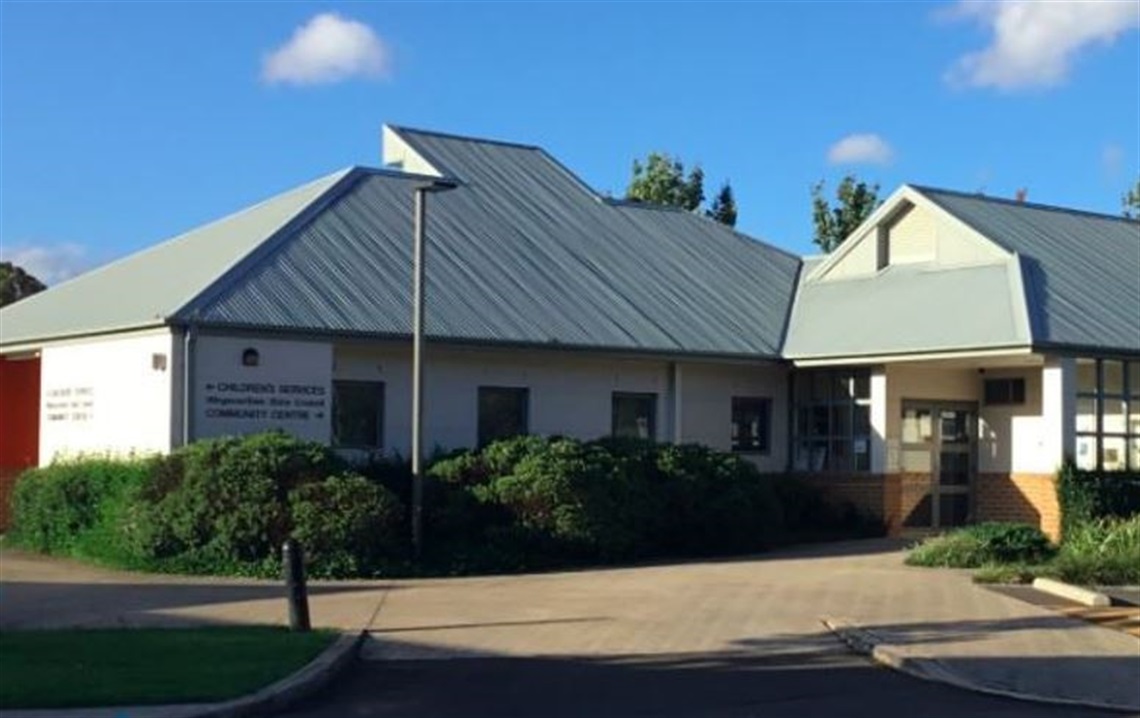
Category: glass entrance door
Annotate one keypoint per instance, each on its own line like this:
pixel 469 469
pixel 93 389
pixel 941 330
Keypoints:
pixel 941 438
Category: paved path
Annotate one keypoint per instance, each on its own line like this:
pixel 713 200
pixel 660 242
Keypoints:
pixel 635 621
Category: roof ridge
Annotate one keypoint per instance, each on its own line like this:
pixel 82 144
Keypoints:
pixel 924 189
pixel 465 138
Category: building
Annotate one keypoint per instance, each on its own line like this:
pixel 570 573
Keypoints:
pixel 934 370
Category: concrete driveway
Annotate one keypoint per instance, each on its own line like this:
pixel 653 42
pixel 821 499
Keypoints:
pixel 758 611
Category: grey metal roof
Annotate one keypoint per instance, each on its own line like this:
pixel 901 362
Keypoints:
pixel 1081 270
pixel 907 309
pixel 146 288
pixel 522 252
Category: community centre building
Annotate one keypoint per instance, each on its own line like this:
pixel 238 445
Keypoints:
pixel 936 369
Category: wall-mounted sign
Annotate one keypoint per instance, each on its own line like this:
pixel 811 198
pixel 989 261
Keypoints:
pixel 73 403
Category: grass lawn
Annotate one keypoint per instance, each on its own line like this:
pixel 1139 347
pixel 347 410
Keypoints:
pixel 87 668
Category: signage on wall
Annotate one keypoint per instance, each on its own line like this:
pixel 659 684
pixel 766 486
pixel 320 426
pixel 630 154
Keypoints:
pixel 73 403
pixel 266 401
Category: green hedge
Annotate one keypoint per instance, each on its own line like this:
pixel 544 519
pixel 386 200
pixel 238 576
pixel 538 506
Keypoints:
pixel 225 506
pixel 1089 495
pixel 984 544
pixel 220 506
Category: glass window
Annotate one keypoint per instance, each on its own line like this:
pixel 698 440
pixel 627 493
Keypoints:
pixel 635 415
pixel 1112 455
pixel 1086 452
pixel 751 419
pixel 358 414
pixel 832 421
pixel 503 413
pixel 1113 372
pixel 1108 414
pixel 1086 376
pixel 1004 391
pixel 1086 414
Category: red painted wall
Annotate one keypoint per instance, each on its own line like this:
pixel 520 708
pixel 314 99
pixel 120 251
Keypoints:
pixel 19 413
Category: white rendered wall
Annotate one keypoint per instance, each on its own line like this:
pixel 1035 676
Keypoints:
pixel 570 394
pixel 105 396
pixel 707 392
pixel 289 389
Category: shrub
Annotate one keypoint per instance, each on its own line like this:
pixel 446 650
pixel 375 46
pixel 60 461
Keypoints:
pixel 1101 551
pixel 1088 495
pixel 224 500
pixel 348 525
pixel 78 507
pixel 982 545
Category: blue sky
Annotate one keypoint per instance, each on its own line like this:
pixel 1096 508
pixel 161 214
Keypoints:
pixel 123 124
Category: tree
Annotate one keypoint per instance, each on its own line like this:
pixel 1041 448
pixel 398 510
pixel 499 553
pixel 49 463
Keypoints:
pixel 662 180
pixel 15 284
pixel 723 208
pixel 1130 202
pixel 855 202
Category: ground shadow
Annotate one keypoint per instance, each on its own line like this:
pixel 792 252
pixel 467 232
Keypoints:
pixel 793 676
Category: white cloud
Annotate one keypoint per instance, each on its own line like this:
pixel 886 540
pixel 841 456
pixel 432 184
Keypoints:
pixel 51 264
pixel 328 48
pixel 1112 159
pixel 1035 42
pixel 864 148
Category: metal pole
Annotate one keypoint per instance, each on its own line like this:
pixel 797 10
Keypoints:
pixel 418 374
pixel 293 558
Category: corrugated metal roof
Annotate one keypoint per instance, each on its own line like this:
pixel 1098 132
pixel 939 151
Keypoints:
pixel 1081 270
pixel 146 288
pixel 522 252
pixel 907 309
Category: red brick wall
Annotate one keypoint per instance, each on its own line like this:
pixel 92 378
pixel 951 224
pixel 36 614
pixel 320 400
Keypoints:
pixel 1026 498
pixel 865 491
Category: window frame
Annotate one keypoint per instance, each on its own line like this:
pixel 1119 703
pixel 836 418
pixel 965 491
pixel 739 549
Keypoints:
pixel 650 397
pixel 480 438
pixel 1128 402
pixel 1013 395
pixel 381 408
pixel 826 404
pixel 765 404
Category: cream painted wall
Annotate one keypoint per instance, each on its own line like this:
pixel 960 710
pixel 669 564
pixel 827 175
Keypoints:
pixel 289 389
pixel 106 396
pixel 1019 439
pixel 570 394
pixel 707 391
pixel 911 381
pixel 912 237
pixel 919 234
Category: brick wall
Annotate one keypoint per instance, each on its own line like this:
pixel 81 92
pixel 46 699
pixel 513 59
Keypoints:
pixel 1026 498
pixel 864 491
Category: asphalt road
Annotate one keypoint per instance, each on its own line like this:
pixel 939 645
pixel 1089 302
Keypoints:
pixel 828 683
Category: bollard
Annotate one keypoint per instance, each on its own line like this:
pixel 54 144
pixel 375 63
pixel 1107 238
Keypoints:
pixel 293 560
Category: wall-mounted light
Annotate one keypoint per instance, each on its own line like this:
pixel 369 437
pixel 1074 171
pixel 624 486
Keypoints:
pixel 250 357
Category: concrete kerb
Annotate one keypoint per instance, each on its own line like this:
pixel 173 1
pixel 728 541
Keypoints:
pixel 1078 594
pixel 866 642
pixel 317 674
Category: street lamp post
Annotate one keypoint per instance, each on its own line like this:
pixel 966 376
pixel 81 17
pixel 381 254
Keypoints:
pixel 418 256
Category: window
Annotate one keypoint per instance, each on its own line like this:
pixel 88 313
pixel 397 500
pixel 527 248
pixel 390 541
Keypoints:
pixel 832 426
pixel 503 413
pixel 1004 391
pixel 751 421
pixel 635 415
pixel 358 414
pixel 1108 414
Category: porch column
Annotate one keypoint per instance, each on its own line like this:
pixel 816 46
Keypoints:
pixel 879 420
pixel 677 410
pixel 1058 409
